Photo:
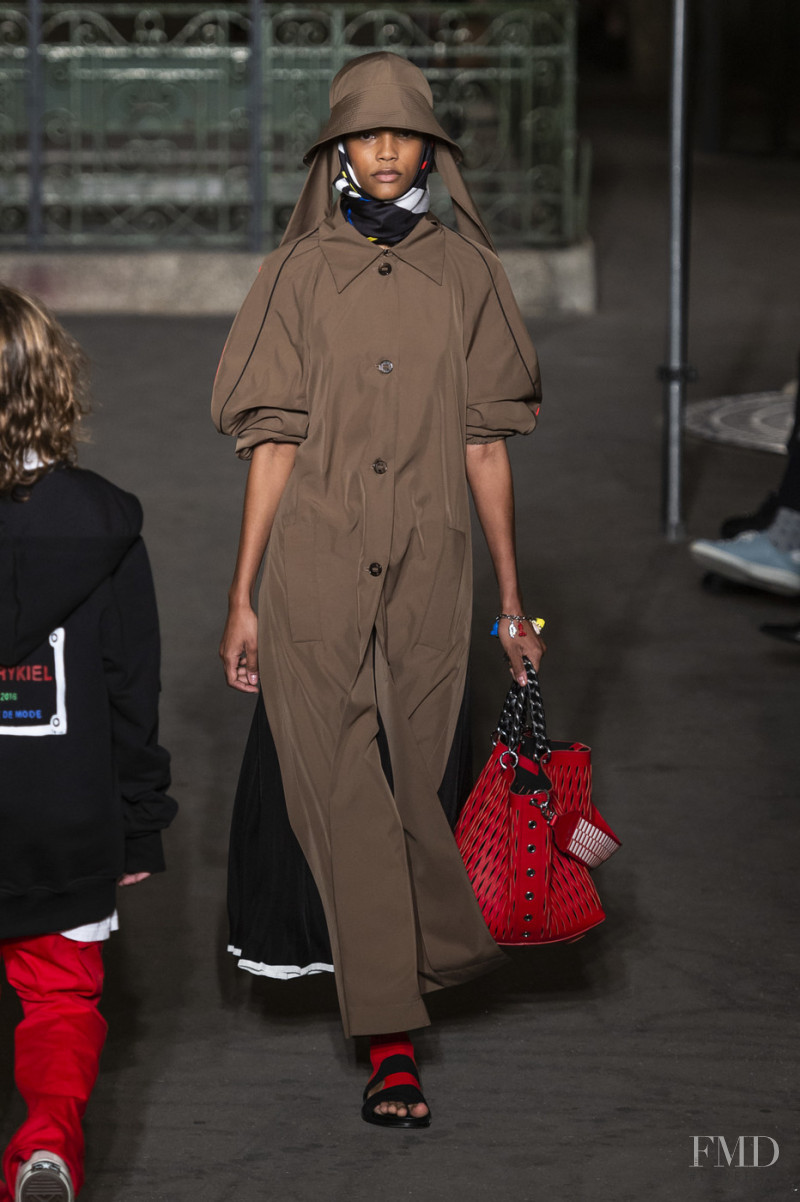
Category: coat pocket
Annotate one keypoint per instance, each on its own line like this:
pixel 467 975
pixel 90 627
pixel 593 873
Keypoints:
pixel 299 556
pixel 437 625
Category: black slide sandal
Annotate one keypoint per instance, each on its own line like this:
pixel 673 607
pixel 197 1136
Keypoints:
pixel 395 1072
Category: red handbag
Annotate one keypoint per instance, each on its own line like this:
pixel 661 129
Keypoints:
pixel 528 833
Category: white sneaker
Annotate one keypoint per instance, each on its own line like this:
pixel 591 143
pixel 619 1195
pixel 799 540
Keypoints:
pixel 44 1178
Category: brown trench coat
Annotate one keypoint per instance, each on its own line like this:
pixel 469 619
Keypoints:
pixel 380 365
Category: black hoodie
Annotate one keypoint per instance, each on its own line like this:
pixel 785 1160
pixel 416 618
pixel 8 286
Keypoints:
pixel 82 778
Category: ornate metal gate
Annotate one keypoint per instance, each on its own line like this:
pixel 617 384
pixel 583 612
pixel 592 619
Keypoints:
pixel 127 125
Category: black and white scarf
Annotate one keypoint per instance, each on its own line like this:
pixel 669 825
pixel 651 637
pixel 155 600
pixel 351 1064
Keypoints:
pixel 386 221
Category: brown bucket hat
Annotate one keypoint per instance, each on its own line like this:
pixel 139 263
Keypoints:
pixel 380 91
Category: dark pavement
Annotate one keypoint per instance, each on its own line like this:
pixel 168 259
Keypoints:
pixel 575 1073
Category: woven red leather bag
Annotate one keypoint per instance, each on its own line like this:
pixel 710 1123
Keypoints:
pixel 529 833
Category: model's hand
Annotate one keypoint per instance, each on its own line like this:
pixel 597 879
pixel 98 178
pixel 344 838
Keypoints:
pixel 133 878
pixel 239 649
pixel 529 644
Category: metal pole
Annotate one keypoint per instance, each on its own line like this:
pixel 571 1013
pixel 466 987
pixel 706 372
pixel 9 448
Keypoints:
pixel 35 122
pixel 256 92
pixel 676 372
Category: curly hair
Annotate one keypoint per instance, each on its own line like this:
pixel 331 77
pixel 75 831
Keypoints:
pixel 43 375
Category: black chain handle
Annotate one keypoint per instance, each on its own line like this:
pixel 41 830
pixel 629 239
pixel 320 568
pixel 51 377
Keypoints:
pixel 523 712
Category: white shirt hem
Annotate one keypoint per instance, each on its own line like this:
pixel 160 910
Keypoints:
pixel 94 932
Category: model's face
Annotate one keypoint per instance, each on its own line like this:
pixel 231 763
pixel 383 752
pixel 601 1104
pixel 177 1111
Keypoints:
pixel 385 160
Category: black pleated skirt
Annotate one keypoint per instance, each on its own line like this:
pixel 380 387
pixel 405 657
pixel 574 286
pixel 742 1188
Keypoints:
pixel 277 925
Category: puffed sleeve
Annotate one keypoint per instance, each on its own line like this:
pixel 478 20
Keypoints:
pixel 504 389
pixel 131 657
pixel 259 390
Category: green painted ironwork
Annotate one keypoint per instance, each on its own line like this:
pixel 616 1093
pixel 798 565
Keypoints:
pixel 144 125
pixel 149 116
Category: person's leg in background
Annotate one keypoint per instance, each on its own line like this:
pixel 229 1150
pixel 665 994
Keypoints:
pixel 785 496
pixel 787 522
pixel 58 1044
pixel 765 552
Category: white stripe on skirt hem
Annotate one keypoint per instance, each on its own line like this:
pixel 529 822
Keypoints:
pixel 280 972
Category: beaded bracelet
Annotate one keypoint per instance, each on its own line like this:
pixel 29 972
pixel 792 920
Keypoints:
pixel 513 629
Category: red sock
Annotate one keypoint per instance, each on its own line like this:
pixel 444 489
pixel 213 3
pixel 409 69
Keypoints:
pixel 381 1046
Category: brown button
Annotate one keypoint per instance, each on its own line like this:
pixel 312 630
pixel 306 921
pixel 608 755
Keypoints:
pixel 379 467
pixel 385 366
pixel 385 269
pixel 375 569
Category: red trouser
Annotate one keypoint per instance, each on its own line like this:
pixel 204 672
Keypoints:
pixel 58 1045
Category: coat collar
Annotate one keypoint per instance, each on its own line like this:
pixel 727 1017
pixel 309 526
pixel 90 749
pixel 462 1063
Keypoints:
pixel 348 253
